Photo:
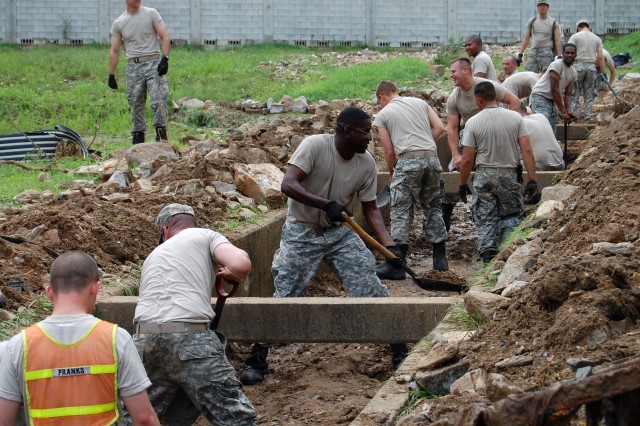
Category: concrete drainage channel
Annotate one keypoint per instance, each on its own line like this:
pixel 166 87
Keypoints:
pixel 255 316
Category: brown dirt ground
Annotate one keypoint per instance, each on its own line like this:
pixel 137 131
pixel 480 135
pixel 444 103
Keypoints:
pixel 330 384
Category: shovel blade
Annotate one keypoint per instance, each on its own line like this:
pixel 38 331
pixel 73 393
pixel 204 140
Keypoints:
pixel 437 285
pixel 384 197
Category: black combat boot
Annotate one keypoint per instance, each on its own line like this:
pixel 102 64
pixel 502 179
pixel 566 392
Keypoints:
pixel 138 137
pixel 447 212
pixel 440 257
pixel 255 367
pixel 161 134
pixel 386 271
pixel 399 352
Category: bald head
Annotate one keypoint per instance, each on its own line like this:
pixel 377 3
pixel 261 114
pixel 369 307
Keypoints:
pixel 73 271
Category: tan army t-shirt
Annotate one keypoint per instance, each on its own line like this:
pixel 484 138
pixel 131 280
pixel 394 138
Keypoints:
pixel 407 121
pixel 463 102
pixel 521 83
pixel 567 76
pixel 138 32
pixel 483 63
pixel 541 37
pixel 330 176
pixel 587 44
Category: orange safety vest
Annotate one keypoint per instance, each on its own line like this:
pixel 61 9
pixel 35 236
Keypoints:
pixel 73 384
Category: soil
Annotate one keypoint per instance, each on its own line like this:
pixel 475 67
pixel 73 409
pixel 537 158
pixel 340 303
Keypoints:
pixel 573 293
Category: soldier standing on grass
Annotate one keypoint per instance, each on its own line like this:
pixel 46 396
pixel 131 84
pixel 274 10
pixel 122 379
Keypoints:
pixel 544 33
pixel 138 30
pixel 492 138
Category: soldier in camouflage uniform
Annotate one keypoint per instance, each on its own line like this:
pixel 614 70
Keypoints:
pixel 138 30
pixel 491 140
pixel 325 175
pixel 545 33
pixel 184 359
pixel 408 128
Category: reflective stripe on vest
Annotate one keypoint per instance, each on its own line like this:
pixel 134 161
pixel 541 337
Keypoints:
pixel 71 383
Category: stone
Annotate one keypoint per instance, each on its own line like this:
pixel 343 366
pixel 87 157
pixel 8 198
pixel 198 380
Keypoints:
pixel 193 103
pixel 295 141
pixel 597 337
pixel 513 288
pixel 35 232
pixel 51 237
pixel 262 208
pixel 515 361
pixel 452 336
pixel 112 165
pixel 439 381
pixel 116 197
pixel 81 183
pixel 473 381
pixel 246 214
pixel 225 189
pixel 190 188
pixel 584 372
pixel 300 105
pixel 144 185
pixel 438 356
pixel 484 305
pixel 149 152
pixel 547 208
pixel 93 169
pixel 518 263
pixel 260 182
pixel 164 170
pixel 576 363
pixel 119 178
pixel 499 387
pixel 611 249
pixel 27 196
pixel 276 109
pixel 558 193
pixel 632 76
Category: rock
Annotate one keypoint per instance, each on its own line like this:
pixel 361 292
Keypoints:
pixel 192 103
pixel 613 233
pixel 499 387
pixel 576 363
pixel 483 304
pixel 472 382
pixel 260 182
pixel 545 209
pixel 93 169
pixel 116 197
pixel 51 237
pixel 295 140
pixel 81 183
pixel 35 232
pixel 518 263
pixel 276 109
pixel 28 196
pixel 119 178
pixel 452 336
pixel 300 105
pixel 558 193
pixel 225 189
pixel 262 208
pixel 44 177
pixel 246 214
pixel 245 201
pixel 413 419
pixel 513 288
pixel 163 171
pixel 438 356
pixel 144 185
pixel 610 249
pixel 515 361
pixel 597 337
pixel 4 314
pixel 403 378
pixel 632 76
pixel 584 372
pixel 148 152
pixel 109 167
pixel 190 188
pixel 439 381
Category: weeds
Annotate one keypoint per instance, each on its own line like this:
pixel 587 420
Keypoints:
pixel 449 51
pixel 416 396
pixel 462 319
pixel 38 310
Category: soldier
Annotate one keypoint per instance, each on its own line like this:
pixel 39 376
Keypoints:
pixel 482 65
pixel 138 30
pixel 509 68
pixel 408 128
pixel 544 34
pixel 545 146
pixel 522 83
pixel 491 139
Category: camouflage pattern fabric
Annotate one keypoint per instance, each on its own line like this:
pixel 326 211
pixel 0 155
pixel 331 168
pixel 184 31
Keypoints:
pixel 584 85
pixel 193 363
pixel 546 107
pixel 496 207
pixel 141 77
pixel 417 179
pixel 539 59
pixel 301 250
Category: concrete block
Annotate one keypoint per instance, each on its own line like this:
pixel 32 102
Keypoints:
pixel 311 319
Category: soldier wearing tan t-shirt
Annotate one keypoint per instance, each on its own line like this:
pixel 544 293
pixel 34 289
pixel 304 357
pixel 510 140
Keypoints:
pixel 408 128
pixel 521 84
pixel 589 62
pixel 544 34
pixel 482 65
pixel 491 141
pixel 509 68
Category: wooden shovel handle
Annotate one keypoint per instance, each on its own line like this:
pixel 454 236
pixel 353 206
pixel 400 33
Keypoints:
pixel 367 238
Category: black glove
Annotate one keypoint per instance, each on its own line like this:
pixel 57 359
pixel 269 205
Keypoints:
pixel 334 211
pixel 163 66
pixel 519 59
pixel 463 190
pixel 531 193
pixel 399 261
pixel 112 82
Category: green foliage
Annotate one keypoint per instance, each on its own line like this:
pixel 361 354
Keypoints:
pixel 629 43
pixel 416 396
pixel 38 310
pixel 462 319
pixel 449 51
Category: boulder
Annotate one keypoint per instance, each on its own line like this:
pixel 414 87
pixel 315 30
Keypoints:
pixel 498 387
pixel 483 304
pixel 517 264
pixel 547 208
pixel 260 182
pixel 148 152
pixel 439 381
pixel 611 249
pixel 513 288
pixel 472 382
pixel 113 165
pixel 438 356
pixel 558 192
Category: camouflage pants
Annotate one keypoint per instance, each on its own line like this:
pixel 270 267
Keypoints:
pixel 496 207
pixel 584 85
pixel 141 77
pixel 539 59
pixel 546 107
pixel 302 249
pixel 193 363
pixel 417 179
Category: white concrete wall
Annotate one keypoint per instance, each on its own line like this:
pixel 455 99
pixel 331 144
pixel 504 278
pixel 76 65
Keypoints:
pixel 394 23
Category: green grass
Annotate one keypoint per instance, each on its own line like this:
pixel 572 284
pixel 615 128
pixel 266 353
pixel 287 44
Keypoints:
pixel 38 310
pixel 462 319
pixel 629 43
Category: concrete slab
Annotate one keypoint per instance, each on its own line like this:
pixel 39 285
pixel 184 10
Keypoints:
pixel 312 319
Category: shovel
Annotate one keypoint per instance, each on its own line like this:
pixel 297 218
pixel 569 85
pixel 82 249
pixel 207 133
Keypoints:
pixel 222 297
pixel 423 283
pixel 383 198
pixel 565 154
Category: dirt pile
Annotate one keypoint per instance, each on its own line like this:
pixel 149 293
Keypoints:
pixel 582 301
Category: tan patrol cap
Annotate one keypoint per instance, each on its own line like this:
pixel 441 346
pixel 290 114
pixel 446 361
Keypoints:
pixel 582 21
pixel 168 212
pixel 542 2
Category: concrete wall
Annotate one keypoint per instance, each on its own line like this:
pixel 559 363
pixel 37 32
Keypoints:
pixel 393 23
